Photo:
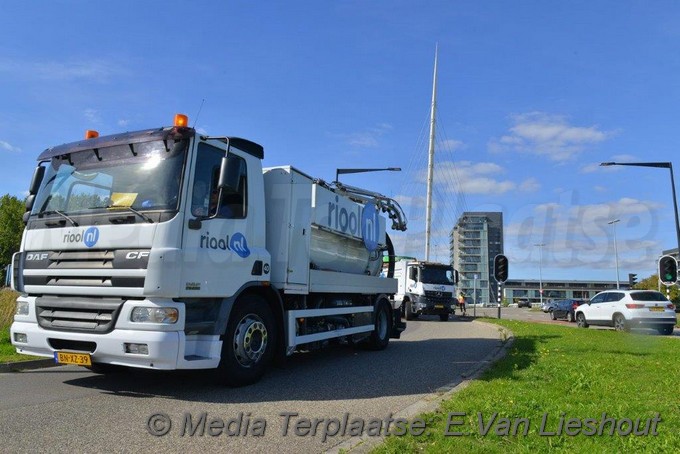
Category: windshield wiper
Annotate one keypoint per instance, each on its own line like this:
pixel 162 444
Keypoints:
pixel 63 215
pixel 138 213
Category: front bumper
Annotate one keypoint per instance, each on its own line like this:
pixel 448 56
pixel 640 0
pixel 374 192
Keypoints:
pixel 168 346
pixel 426 306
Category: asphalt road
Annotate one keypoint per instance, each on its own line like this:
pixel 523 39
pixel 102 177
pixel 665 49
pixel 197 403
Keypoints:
pixel 69 409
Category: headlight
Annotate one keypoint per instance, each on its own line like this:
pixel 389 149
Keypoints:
pixel 22 308
pixel 167 315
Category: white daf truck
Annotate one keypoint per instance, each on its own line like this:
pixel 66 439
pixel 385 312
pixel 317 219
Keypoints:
pixel 167 249
pixel 425 288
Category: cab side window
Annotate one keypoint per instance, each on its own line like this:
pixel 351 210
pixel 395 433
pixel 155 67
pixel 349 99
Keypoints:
pixel 206 195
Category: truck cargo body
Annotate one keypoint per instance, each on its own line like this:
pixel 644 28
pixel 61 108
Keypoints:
pixel 164 249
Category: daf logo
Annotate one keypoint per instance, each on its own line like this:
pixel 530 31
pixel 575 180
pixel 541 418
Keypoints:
pixel 37 256
pixel 439 294
pixel 134 255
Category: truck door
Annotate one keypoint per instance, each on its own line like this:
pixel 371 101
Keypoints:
pixel 217 259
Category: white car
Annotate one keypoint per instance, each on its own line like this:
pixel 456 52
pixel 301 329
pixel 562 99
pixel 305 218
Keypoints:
pixel 625 309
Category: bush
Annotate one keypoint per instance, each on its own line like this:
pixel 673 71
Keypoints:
pixel 7 304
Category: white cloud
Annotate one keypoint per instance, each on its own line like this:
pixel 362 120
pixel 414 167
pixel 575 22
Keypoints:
pixel 94 70
pixel 530 185
pixel 475 178
pixel 368 138
pixel 578 236
pixel 9 147
pixel 92 115
pixel 450 145
pixel 547 135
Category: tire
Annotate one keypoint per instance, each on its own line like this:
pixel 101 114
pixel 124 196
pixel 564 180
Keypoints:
pixel 248 344
pixel 552 315
pixel 105 369
pixel 571 317
pixel 408 308
pixel 444 317
pixel 665 330
pixel 380 336
pixel 581 320
pixel 620 323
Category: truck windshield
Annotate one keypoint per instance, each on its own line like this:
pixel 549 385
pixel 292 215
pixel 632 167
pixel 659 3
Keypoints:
pixel 436 275
pixel 141 177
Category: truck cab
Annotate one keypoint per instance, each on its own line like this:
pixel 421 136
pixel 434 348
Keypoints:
pixel 425 288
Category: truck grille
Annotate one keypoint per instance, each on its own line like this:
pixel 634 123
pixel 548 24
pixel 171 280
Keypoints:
pixel 78 314
pixel 86 268
pixel 439 297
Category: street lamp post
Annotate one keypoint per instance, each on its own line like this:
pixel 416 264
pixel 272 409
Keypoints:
pixel 616 250
pixel 662 165
pixel 540 270
pixel 344 171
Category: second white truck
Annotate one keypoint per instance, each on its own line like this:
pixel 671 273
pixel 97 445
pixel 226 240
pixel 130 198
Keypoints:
pixel 425 288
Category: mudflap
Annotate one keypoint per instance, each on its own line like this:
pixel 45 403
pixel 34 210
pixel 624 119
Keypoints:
pixel 398 325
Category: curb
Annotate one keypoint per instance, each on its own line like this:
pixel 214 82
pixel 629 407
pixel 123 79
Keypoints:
pixel 27 365
pixel 364 443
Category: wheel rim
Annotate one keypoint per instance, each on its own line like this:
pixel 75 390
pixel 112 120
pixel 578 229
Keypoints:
pixel 580 320
pixel 619 323
pixel 250 340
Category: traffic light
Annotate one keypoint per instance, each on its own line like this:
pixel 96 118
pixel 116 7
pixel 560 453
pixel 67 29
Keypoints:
pixel 668 270
pixel 500 268
pixel 632 279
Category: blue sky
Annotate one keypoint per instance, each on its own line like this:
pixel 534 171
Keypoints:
pixel 532 95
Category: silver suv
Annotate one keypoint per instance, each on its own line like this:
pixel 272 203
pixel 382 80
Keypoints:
pixel 625 309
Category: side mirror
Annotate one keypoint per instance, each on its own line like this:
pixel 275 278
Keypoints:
pixel 413 274
pixel 38 175
pixel 30 200
pixel 229 175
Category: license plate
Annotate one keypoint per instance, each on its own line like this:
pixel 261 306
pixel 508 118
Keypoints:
pixel 79 359
pixel 439 306
pixel 657 309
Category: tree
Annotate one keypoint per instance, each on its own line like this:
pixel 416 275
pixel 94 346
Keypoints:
pixel 652 283
pixel 11 227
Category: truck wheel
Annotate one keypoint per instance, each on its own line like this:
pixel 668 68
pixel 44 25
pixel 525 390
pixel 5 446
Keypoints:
pixel 408 307
pixel 380 336
pixel 249 342
pixel 444 317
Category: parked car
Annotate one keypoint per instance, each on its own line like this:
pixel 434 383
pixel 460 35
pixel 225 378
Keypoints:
pixel 565 309
pixel 624 309
pixel 548 306
pixel 524 303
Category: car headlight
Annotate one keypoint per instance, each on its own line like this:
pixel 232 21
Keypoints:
pixel 167 315
pixel 22 308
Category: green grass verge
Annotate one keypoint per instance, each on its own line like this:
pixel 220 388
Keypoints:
pixel 560 373
pixel 7 351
